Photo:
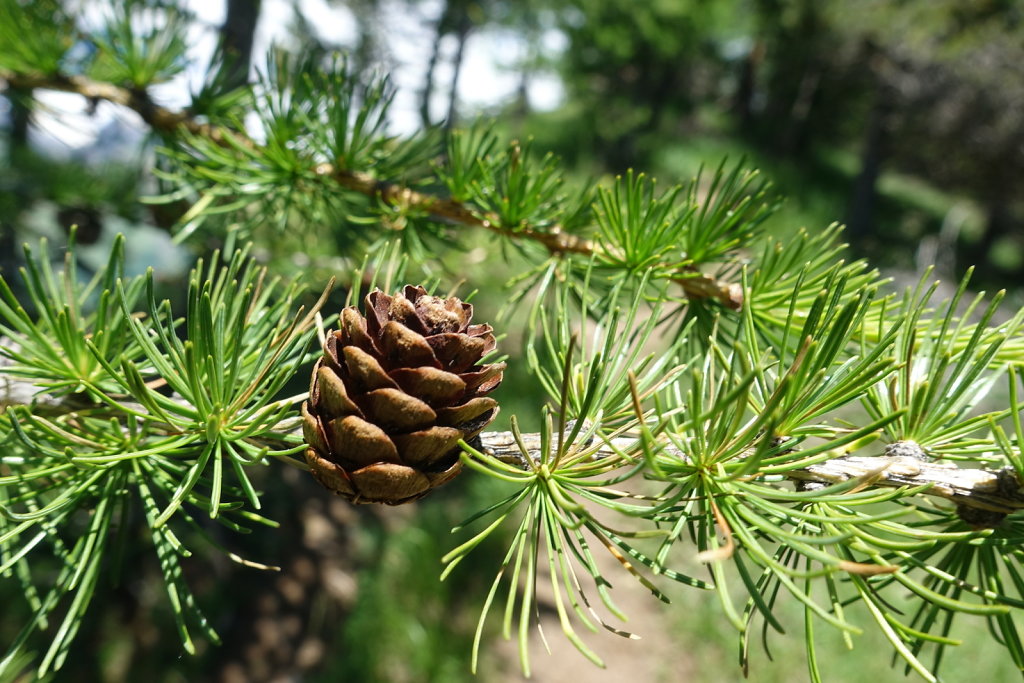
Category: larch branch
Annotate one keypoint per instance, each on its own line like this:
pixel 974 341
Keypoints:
pixel 988 491
pixel 696 285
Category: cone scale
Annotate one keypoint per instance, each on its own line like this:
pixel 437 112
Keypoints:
pixel 394 392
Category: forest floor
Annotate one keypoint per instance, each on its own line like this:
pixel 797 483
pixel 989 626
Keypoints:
pixel 655 657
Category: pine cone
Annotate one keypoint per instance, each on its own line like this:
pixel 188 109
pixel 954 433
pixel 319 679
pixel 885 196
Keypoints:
pixel 393 394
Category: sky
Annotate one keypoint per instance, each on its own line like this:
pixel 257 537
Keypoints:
pixel 64 128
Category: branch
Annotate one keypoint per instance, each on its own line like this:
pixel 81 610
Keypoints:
pixel 556 240
pixel 696 285
pixel 982 496
pixel 158 118
pixel 989 495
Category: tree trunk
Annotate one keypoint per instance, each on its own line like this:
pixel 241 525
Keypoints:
pixel 236 39
pixel 428 77
pixel 465 25
pixel 861 214
pixel 743 99
pixel 666 86
pixel 17 144
pixel 521 108
pixel 21 116
pixel 796 138
pixel 998 222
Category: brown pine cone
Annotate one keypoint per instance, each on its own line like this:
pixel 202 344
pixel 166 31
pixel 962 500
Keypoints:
pixel 393 394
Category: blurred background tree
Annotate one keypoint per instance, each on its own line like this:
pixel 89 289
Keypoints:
pixel 903 113
pixel 904 117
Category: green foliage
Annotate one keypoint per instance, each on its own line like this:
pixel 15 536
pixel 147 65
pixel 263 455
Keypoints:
pixel 550 511
pixel 739 411
pixel 145 412
pixel 415 649
pixel 140 44
pixel 699 374
pixel 279 182
pixel 943 374
pixel 518 189
pixel 36 36
pixel 684 227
